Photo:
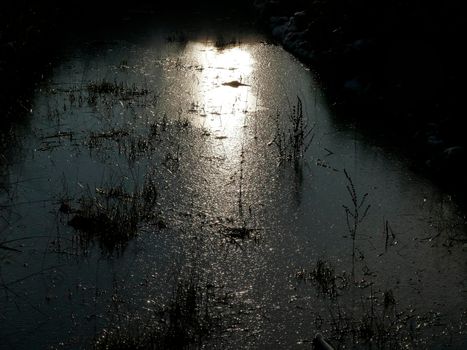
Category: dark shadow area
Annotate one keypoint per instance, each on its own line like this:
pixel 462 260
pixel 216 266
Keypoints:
pixel 391 67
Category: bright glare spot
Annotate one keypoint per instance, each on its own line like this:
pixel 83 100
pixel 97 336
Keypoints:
pixel 224 108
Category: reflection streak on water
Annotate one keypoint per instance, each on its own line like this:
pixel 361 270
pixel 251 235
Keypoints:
pixel 223 112
pixel 224 108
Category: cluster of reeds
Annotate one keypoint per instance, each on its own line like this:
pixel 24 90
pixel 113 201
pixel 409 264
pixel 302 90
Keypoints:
pixel 355 213
pixel 113 215
pixel 376 322
pixel 118 89
pixel 185 322
pixel 177 37
pixel 294 140
pixel 325 279
pixel 222 42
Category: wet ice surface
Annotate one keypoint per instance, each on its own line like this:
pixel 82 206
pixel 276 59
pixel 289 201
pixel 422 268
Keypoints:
pixel 200 121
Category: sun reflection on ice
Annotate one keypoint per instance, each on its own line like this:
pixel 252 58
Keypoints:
pixel 225 89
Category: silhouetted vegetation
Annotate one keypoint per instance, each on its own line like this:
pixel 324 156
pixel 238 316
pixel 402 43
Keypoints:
pixel 294 139
pixel 112 217
pixel 185 322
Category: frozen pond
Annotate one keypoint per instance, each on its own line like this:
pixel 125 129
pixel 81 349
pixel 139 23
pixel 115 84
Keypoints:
pixel 184 164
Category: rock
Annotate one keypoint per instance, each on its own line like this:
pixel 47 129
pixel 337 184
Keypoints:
pixel 276 21
pixel 434 140
pixel 433 137
pixel 299 20
pixel 353 85
pixel 361 45
pixel 279 27
pixel 449 163
pixel 454 153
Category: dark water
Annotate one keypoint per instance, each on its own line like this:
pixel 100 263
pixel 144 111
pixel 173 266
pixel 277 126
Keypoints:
pixel 151 106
